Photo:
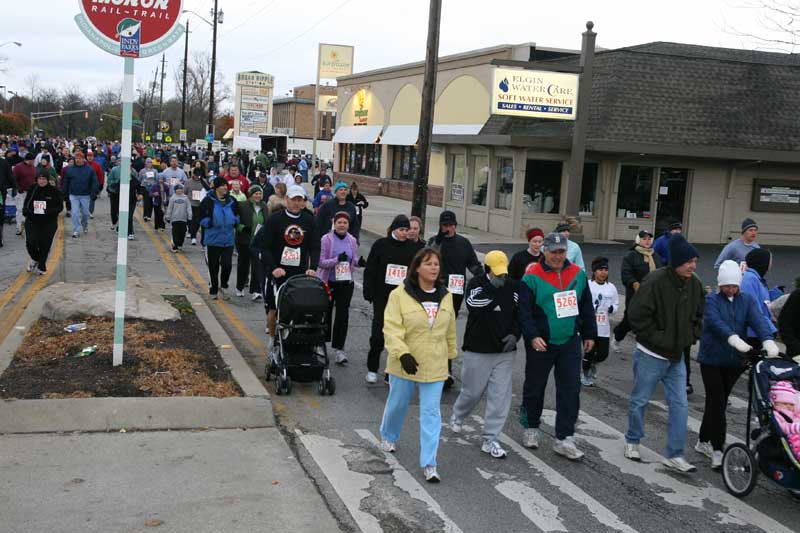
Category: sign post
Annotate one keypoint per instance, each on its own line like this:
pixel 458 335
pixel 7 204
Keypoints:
pixel 128 32
pixel 333 60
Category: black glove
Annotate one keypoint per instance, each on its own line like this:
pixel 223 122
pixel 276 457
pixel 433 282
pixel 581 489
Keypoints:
pixel 408 363
pixel 610 309
pixel 509 343
pixel 342 257
pixel 168 221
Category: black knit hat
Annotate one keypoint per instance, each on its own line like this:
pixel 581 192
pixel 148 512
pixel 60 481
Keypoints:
pixel 758 260
pixel 400 221
pixel 674 225
pixel 680 251
pixel 562 226
pixel 447 217
pixel 599 262
pixel 748 223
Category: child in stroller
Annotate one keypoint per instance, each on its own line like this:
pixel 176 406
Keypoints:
pixel 784 399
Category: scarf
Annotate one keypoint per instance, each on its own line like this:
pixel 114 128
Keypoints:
pixel 647 254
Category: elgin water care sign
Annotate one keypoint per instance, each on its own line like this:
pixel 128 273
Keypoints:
pixel 131 28
pixel 534 93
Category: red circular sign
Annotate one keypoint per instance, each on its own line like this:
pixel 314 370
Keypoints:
pixel 157 17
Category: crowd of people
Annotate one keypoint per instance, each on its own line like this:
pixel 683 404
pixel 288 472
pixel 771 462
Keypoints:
pixel 235 205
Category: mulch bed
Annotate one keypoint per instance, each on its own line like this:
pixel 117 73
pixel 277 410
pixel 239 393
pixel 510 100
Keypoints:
pixel 175 358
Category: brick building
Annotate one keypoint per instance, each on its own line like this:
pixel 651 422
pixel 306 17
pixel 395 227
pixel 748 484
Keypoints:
pixel 294 115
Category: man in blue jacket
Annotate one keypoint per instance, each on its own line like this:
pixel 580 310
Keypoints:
pixel 80 183
pixel 219 215
pixel 661 246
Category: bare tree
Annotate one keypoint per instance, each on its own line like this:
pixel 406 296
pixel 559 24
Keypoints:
pixel 198 90
pixel 779 21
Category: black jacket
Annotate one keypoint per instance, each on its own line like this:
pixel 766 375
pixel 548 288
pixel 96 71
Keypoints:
pixel 634 268
pixel 247 211
pixel 457 256
pixel 329 209
pixel 54 203
pixel 789 323
pixel 492 314
pixel 6 179
pixel 520 261
pixel 281 231
pixel 384 252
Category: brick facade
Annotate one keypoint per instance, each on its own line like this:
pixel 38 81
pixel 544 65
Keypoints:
pixel 402 189
pixel 297 113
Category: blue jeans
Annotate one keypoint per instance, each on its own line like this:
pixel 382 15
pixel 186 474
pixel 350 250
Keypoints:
pixel 647 372
pixel 80 212
pixel 430 417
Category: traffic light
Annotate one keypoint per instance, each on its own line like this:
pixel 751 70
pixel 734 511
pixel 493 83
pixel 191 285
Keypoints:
pixel 86 115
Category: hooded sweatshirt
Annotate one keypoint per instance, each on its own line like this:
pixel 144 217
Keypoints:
pixel 42 205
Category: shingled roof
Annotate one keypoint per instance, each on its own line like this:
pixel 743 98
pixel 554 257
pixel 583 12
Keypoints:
pixel 683 95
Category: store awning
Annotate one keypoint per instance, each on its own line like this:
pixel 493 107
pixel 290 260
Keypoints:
pixel 400 135
pixel 228 135
pixel 357 134
pixel 457 129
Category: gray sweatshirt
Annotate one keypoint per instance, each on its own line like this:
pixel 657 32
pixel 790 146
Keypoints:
pixel 736 250
pixel 179 209
pixel 194 186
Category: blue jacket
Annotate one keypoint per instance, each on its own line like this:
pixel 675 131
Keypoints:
pixel 723 318
pixel 661 247
pixel 756 286
pixel 219 218
pixel 80 181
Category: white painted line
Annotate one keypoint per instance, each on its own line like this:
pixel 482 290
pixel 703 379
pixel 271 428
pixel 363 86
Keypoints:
pixel 533 505
pixel 694 424
pixel 352 487
pixel 698 493
pixel 406 482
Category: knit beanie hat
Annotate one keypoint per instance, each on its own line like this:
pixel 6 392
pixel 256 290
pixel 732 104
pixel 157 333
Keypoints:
pixel 748 223
pixel 599 262
pixel 758 260
pixel 216 183
pixel 783 392
pixel 400 221
pixel 341 214
pixel 562 226
pixel 339 185
pixel 534 232
pixel 680 251
pixel 254 189
pixel 729 273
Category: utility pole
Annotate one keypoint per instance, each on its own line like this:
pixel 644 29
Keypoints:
pixel 161 89
pixel 185 62
pixel 148 100
pixel 420 200
pixel 213 75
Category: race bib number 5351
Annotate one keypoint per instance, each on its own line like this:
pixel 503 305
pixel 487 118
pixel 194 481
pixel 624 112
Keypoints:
pixel 566 303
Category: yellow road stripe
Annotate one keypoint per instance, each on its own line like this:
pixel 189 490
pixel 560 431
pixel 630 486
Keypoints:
pixel 13 289
pixel 168 259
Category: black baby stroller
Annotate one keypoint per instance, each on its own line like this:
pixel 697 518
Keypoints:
pixel 767 447
pixel 298 352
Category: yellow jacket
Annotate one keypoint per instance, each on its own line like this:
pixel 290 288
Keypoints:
pixel 407 330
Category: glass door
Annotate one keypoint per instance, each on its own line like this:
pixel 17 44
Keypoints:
pixel 671 197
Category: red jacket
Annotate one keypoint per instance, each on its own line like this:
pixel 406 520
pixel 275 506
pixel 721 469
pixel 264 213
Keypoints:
pixel 101 176
pixel 24 175
pixel 243 180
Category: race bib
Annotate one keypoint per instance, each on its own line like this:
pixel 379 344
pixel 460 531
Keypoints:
pixel 342 272
pixel 395 274
pixel 150 174
pixel 198 195
pixel 601 317
pixel 566 304
pixel 39 206
pixel 290 256
pixel 431 309
pixel 455 283
pixel 174 181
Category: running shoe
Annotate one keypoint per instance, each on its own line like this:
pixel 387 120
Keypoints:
pixel 567 448
pixel 493 448
pixel 431 475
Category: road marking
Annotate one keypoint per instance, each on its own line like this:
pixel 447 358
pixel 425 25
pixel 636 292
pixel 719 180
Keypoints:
pixel 533 505
pixel 699 494
pixel 405 481
pixel 12 290
pixel 168 260
pixel 694 424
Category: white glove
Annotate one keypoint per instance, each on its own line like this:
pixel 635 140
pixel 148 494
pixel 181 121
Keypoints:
pixel 796 359
pixel 737 342
pixel 771 348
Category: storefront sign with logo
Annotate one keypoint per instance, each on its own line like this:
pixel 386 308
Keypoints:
pixel 335 60
pixel 361 113
pixel 326 103
pixel 253 103
pixel 534 93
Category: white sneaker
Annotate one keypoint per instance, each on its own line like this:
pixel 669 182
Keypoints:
pixel 131 238
pixel 493 448
pixel 716 460
pixel 680 464
pixel 372 377
pixel 239 293
pixel 194 241
pixel 632 452
pixel 33 265
pixel 74 234
pixel 341 358
pixel 704 448
pixel 455 424
pixel 530 439
pixel 255 296
pixel 222 294
pixel 91 216
pixel 567 448
pixel 615 346
pixel 586 380
pixel 388 447
pixel 431 475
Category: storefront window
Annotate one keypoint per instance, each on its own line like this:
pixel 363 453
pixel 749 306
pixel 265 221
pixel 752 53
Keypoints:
pixel 542 186
pixel 362 159
pixel 588 189
pixel 404 159
pixel 635 187
pixel 458 164
pixel 505 182
pixel 480 179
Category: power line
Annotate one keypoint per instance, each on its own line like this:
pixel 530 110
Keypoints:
pixel 313 26
pixel 250 17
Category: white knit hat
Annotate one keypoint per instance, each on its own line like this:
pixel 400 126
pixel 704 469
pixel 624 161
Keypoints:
pixel 729 273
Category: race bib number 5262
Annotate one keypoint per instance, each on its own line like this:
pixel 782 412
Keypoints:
pixel 566 303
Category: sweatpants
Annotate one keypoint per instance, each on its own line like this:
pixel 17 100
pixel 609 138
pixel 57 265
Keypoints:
pixel 194 224
pixel 242 266
pixel 488 373
pixel 598 354
pixel 341 295
pixel 718 382
pixel 159 217
pixel 178 233
pixel 114 197
pixel 376 340
pixel 566 359
pixel 401 391
pixel 147 205
pixel 39 239
pixel 219 257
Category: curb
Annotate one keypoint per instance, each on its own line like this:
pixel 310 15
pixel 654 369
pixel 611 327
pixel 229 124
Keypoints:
pixel 11 343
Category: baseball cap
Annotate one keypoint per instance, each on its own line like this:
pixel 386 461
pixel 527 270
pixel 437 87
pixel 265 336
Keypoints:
pixel 294 191
pixel 497 261
pixel 554 241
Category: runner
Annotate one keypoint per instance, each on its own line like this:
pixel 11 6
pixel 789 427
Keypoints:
pixel 196 189
pixel 754 283
pixel 179 213
pixel 253 213
pixel 738 249
pixel 387 266
pixel 25 178
pixel 80 183
pixel 574 254
pixel 521 260
pixel 147 178
pixel 338 203
pixel 112 187
pixel 414 228
pixel 637 264
pixel 361 203
pixel 605 299
pixel 101 179
pixel 661 247
pixel 43 203
pixel 558 324
pixel 159 196
pixel 338 259
pixel 219 214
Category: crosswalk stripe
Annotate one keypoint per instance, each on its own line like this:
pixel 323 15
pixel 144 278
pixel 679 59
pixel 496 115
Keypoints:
pixel 694 424
pixel 536 508
pixel 698 494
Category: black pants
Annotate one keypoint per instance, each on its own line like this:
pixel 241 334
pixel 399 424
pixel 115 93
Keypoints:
pixel 194 224
pixel 566 358
pixel 178 233
pixel 598 354
pixel 147 205
pixel 341 295
pixel 243 266
pixel 623 328
pixel 159 218
pixel 376 341
pixel 114 197
pixel 67 204
pixel 718 382
pixel 39 239
pixel 218 258
pixel 131 209
pixel 687 360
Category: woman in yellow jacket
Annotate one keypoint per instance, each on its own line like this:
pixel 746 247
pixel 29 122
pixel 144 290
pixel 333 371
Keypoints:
pixel 420 331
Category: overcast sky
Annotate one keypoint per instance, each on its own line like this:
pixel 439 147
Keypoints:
pixel 280 36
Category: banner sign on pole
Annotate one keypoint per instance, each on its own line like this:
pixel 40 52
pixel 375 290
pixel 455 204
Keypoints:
pixel 326 103
pixel 335 60
pixel 535 93
pixel 182 135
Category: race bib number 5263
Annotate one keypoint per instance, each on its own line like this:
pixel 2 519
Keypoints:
pixel 566 303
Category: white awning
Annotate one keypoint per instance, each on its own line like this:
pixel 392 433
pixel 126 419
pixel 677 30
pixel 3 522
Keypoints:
pixel 457 129
pixel 228 135
pixel 400 135
pixel 357 134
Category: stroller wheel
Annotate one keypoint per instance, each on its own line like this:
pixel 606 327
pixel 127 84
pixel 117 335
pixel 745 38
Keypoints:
pixel 268 371
pixel 287 386
pixel 327 386
pixel 739 470
pixel 331 386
